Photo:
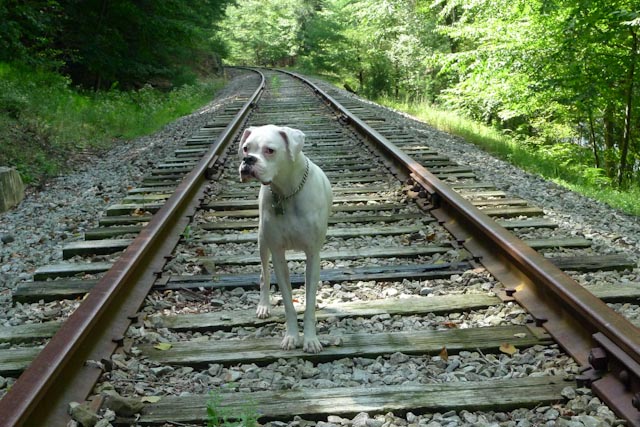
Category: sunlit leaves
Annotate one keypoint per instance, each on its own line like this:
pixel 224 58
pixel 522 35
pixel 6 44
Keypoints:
pixel 265 32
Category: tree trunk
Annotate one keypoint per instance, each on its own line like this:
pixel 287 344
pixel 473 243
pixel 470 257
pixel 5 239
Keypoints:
pixel 103 14
pixel 609 140
pixel 592 137
pixel 624 149
pixel 397 81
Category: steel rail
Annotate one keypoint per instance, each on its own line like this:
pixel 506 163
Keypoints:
pixel 61 373
pixel 581 323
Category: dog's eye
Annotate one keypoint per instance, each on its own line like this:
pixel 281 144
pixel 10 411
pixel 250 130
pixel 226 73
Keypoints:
pixel 268 150
pixel 245 149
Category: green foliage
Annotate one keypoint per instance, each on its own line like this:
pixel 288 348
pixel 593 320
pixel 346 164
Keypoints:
pixel 133 42
pixel 219 416
pixel 557 162
pixel 44 122
pixel 265 32
pixel 563 70
pixel 187 233
pixel 101 43
pixel 28 31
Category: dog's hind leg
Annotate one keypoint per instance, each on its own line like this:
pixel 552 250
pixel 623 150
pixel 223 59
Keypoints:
pixel 312 277
pixel 291 336
pixel 264 305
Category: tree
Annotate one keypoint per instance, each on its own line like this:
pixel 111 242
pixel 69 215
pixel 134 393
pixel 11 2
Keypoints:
pixel 265 32
pixel 104 42
pixel 28 30
pixel 134 41
pixel 560 75
pixel 558 71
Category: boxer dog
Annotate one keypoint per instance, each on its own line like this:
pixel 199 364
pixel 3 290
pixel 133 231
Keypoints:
pixel 294 205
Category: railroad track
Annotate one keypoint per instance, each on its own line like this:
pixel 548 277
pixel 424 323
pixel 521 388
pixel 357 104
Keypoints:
pixel 428 305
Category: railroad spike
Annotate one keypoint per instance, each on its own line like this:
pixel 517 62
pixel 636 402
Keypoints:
pixel 598 359
pixel 107 364
pixel 625 378
pixel 635 401
pixel 540 321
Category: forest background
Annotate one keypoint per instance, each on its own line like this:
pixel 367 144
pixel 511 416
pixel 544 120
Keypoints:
pixel 549 82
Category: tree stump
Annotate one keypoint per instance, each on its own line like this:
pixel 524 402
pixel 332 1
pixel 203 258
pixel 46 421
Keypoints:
pixel 11 188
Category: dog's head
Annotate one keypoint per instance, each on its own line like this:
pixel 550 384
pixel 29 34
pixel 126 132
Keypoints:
pixel 265 150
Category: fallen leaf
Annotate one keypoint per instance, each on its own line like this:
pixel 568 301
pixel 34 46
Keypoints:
pixel 507 348
pixel 150 399
pixel 450 325
pixel 444 355
pixel 162 346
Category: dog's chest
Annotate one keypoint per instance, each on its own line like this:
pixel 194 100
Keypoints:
pixel 288 230
pixel 296 227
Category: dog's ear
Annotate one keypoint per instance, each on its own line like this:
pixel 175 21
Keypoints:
pixel 244 137
pixel 294 140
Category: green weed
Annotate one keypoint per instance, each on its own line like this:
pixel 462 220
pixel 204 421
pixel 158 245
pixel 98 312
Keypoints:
pixel 275 84
pixel 45 122
pixel 220 416
pixel 187 233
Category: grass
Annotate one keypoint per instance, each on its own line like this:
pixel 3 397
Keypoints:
pixel 219 416
pixel 562 163
pixel 45 122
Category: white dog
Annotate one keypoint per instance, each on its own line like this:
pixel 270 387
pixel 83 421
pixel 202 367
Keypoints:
pixel 294 205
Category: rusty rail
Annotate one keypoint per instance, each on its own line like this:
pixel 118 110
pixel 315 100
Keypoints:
pixel 602 341
pixel 60 374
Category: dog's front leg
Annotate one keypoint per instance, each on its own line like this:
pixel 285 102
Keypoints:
pixel 312 277
pixel 291 336
pixel 264 306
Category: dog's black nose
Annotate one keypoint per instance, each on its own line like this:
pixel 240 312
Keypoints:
pixel 249 160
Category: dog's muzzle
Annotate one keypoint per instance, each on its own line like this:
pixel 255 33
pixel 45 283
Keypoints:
pixel 246 168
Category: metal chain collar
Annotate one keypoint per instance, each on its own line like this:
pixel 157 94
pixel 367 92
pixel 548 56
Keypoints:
pixel 278 201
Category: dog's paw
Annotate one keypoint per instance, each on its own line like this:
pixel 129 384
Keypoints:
pixel 312 345
pixel 263 311
pixel 289 342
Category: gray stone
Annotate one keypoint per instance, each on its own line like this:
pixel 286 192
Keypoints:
pixel 589 421
pixel 551 414
pixel 360 420
pixel 334 419
pixel 568 393
pixel 123 406
pixel 561 422
pixel 7 238
pixel 11 188
pixel 411 417
pixel 83 414
pixel 162 370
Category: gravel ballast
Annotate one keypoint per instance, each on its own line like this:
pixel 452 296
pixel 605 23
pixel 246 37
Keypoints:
pixel 32 235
